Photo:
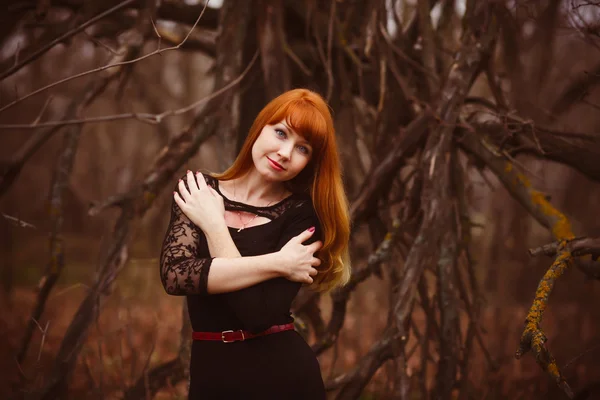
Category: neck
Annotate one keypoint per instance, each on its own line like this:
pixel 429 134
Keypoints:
pixel 252 188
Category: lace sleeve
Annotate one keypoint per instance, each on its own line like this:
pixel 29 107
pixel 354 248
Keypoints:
pixel 182 272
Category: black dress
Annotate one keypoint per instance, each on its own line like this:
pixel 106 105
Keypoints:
pixel 276 366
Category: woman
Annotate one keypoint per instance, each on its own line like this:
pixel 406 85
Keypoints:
pixel 240 244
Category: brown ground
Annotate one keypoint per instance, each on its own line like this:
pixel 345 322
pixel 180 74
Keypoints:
pixel 140 326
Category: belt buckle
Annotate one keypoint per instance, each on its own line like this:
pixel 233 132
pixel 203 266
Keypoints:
pixel 231 341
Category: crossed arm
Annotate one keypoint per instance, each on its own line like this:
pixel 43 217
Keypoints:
pixel 183 273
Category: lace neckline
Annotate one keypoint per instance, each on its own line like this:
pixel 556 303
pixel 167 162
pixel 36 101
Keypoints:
pixel 269 207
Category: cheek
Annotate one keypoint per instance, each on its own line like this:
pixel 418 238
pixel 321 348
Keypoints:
pixel 259 145
pixel 262 144
pixel 299 164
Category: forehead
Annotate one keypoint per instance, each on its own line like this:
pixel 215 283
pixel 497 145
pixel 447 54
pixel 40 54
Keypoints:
pixel 291 130
pixel 305 120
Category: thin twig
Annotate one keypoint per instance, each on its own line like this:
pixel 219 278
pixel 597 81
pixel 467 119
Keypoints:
pixel 406 58
pixel 587 351
pixel 297 60
pixel 18 222
pixel 148 118
pixel 41 113
pixel 92 71
pixel 158 33
pixel 101 43
pixel 35 55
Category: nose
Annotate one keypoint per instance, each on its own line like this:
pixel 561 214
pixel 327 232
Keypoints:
pixel 285 151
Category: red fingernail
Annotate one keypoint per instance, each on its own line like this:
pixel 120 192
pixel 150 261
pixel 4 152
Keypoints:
pixel 311 229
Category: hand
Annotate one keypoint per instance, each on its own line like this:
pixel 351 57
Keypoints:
pixel 297 260
pixel 201 204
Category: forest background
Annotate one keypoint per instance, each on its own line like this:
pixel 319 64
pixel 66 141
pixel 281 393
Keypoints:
pixel 469 139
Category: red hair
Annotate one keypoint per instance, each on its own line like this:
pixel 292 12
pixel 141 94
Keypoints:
pixel 307 113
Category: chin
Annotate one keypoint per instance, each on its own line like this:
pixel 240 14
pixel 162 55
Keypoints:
pixel 270 175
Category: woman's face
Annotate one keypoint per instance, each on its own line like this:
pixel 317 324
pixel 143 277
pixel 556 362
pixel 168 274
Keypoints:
pixel 279 153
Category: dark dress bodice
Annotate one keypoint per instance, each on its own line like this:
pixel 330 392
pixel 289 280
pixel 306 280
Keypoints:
pixel 256 368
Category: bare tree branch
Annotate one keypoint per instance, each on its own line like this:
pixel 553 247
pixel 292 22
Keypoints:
pixel 34 52
pixel 578 89
pixel 341 296
pixel 437 229
pixel 271 39
pixel 200 39
pixel 110 265
pixel 511 44
pixel 533 337
pixel 10 170
pixel 539 207
pixel 404 147
pixel 356 380
pixel 447 300
pixel 577 246
pixel 62 175
pixel 108 66
pixel 579 151
pixel 518 185
pixel 168 373
pixel 142 117
pixel 546 35
pixel 61 180
pixel 439 223
pixel 428 43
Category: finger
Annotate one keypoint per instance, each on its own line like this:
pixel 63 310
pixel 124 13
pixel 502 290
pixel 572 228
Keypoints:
pixel 315 262
pixel 212 191
pixel 178 200
pixel 305 235
pixel 201 181
pixel 183 191
pixel 312 272
pixel 191 181
pixel 314 247
pixel 308 280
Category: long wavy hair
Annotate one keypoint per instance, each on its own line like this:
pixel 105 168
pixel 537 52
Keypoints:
pixel 308 114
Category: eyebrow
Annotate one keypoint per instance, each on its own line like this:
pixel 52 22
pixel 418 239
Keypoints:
pixel 288 129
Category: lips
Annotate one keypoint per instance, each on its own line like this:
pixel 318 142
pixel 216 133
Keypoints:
pixel 275 165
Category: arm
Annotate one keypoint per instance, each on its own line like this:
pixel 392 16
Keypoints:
pixel 230 271
pixel 183 272
pixel 260 306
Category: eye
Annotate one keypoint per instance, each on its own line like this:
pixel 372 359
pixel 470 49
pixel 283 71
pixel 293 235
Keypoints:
pixel 304 149
pixel 279 133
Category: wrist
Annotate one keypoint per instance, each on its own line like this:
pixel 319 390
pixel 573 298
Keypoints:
pixel 216 230
pixel 274 266
pixel 220 243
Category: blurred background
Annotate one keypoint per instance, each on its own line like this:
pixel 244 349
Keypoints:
pixel 104 104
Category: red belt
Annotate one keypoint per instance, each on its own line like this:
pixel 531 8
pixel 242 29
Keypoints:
pixel 239 335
